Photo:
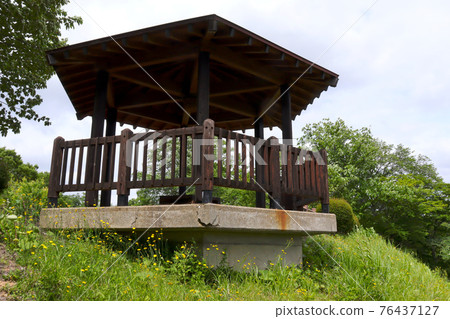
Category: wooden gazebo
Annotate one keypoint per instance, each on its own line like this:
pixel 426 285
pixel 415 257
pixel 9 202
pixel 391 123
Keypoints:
pixel 202 78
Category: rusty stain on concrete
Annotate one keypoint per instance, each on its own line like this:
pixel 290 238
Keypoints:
pixel 281 218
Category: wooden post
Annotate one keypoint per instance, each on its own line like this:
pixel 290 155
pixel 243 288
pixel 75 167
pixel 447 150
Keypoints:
pixel 111 119
pixel 274 171
pixel 55 172
pixel 207 161
pixel 287 201
pixel 325 199
pixel 98 122
pixel 260 195
pixel 286 122
pixel 202 104
pixel 124 171
pixel 203 87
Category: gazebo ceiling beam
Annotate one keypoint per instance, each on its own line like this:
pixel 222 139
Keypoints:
pixel 242 63
pixel 233 88
pixel 123 62
pixel 145 102
pixel 232 105
pixel 146 81
pixel 266 105
pixel 73 85
pixel 145 59
pixel 234 122
pixel 172 120
pixel 194 78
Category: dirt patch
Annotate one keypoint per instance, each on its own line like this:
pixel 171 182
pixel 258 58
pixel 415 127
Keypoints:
pixel 7 264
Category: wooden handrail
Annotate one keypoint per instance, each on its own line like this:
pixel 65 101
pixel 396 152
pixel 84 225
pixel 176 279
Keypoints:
pixel 165 159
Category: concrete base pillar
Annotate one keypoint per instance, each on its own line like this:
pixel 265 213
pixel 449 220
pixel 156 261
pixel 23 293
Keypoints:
pixel 245 251
pixel 258 236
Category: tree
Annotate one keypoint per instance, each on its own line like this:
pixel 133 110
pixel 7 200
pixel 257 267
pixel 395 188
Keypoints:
pixel 27 28
pixel 4 176
pixel 16 168
pixel 399 194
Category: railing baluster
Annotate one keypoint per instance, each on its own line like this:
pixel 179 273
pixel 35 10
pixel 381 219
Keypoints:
pixel 267 180
pixel 144 162
pixel 135 161
pixel 112 162
pixel 96 168
pixel 301 171
pixel 252 163
pixel 154 154
pixel 163 159
pixel 295 172
pixel 80 165
pixel 228 159
pixel 219 154
pixel 64 168
pixel 236 159
pixel 193 167
pixel 244 164
pixel 183 162
pixel 319 184
pixel 173 157
pixel 308 172
pixel 72 163
pixel 103 177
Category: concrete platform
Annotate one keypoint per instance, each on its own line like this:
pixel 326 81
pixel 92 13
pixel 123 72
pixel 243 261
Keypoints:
pixel 248 235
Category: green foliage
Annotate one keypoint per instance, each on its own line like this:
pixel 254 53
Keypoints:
pixel 26 198
pixel 16 167
pixel 362 266
pixel 345 218
pixel 93 266
pixel 150 270
pixel 150 196
pixel 237 197
pixel 390 189
pixel 27 28
pixel 72 200
pixel 4 175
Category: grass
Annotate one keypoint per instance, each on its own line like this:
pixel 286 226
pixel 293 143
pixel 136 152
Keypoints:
pixel 86 265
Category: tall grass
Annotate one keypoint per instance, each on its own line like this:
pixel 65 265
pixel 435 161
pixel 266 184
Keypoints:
pixel 363 265
pixel 88 266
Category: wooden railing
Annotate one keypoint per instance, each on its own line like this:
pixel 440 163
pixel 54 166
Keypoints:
pixel 204 156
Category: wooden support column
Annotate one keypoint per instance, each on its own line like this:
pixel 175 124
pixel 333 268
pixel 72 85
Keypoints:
pixel 325 197
pixel 260 195
pixel 111 120
pixel 98 122
pixel 274 171
pixel 207 161
pixel 55 172
pixel 286 110
pixel 202 105
pixel 124 170
pixel 287 201
pixel 203 87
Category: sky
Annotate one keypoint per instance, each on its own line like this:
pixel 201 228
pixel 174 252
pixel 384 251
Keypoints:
pixel 391 57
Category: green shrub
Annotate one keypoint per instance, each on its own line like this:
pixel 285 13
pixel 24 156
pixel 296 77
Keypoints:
pixel 4 175
pixel 346 219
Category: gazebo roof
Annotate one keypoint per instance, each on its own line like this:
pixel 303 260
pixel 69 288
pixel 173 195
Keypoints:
pixel 246 72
